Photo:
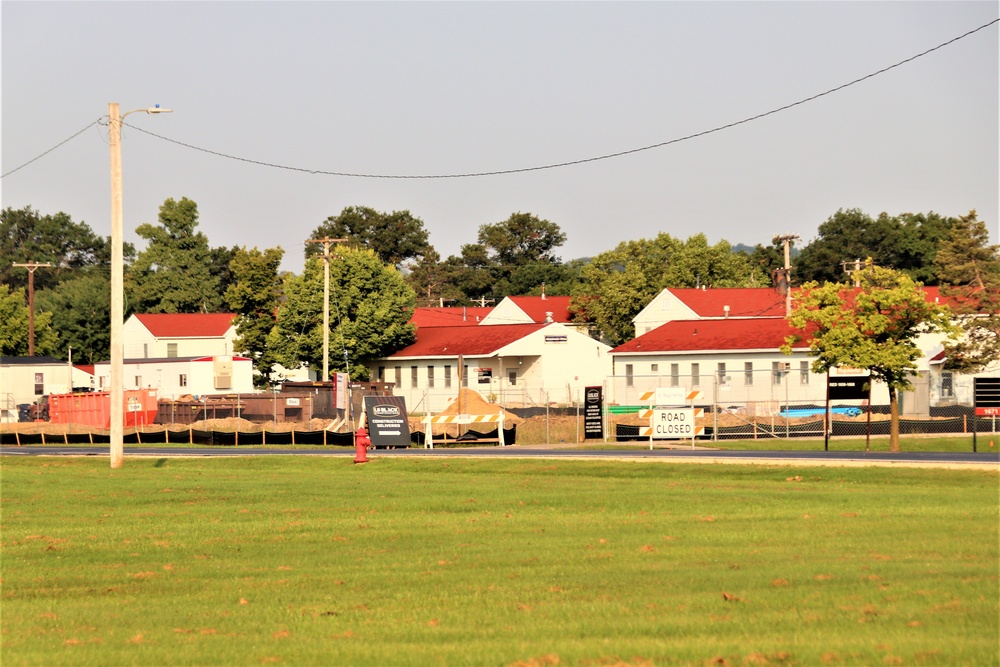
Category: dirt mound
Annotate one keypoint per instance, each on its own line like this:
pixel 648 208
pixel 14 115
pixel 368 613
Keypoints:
pixel 471 402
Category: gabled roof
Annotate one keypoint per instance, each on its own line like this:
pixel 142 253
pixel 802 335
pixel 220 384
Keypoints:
pixel 536 307
pixel 464 340
pixel 449 316
pixel 742 301
pixel 187 325
pixel 733 334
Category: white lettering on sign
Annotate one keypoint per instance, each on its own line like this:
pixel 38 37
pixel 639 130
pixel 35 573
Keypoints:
pixel 672 424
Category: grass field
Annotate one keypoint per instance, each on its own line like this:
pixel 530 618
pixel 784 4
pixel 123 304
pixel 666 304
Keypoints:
pixel 460 562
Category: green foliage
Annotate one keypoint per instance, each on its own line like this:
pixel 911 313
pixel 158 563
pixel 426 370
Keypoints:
pixel 969 270
pixel 174 273
pixel 873 327
pixel 370 309
pixel 253 295
pixel 907 242
pixel 512 257
pixel 14 326
pixel 81 313
pixel 395 237
pixel 619 283
pixel 28 236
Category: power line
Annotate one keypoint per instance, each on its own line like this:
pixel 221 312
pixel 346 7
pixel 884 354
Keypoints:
pixel 584 160
pixel 556 165
pixel 74 136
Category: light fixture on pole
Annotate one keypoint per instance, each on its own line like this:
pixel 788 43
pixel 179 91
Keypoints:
pixel 117 408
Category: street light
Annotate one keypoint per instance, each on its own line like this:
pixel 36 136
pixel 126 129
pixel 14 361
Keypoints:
pixel 117 410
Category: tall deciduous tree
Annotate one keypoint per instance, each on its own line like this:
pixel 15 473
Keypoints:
pixel 81 310
pixel 14 326
pixel 254 295
pixel 511 257
pixel 873 327
pixel 28 236
pixel 370 310
pixel 907 242
pixel 173 274
pixel 969 270
pixel 395 237
pixel 619 283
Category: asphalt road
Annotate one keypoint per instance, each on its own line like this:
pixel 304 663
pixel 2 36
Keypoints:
pixel 950 459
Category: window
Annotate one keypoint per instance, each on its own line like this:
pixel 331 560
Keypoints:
pixel 748 373
pixel 675 375
pixel 430 377
pixel 628 375
pixel 654 368
pixel 145 350
pixel 398 370
pixel 947 384
pixel 381 374
pixel 695 375
pixel 465 375
pixel 447 376
pixel 804 372
pixel 512 378
pixel 138 381
pixel 776 368
pixel 39 384
pixel 182 381
pixel 720 372
pixel 171 350
pixel 413 377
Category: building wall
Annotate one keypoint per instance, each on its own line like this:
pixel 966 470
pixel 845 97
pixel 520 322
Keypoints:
pixel 18 386
pixel 665 307
pixel 141 344
pixel 164 375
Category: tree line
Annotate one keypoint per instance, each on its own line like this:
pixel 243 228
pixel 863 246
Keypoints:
pixel 388 266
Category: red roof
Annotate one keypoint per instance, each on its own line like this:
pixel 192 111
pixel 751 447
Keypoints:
pixel 464 340
pixel 742 301
pixel 713 335
pixel 537 306
pixel 450 316
pixel 187 325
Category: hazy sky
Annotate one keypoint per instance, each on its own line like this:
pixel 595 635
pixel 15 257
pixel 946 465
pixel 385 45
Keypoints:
pixel 449 88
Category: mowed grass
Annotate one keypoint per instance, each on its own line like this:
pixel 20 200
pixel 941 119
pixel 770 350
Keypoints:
pixel 464 562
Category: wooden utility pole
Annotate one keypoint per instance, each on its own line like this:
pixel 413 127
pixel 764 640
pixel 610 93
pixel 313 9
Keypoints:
pixel 786 240
pixel 850 268
pixel 326 303
pixel 31 266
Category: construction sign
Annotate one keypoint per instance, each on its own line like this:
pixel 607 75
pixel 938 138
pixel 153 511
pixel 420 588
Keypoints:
pixel 388 425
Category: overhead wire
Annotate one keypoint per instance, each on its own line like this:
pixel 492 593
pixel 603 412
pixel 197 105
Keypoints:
pixel 555 165
pixel 40 156
pixel 568 163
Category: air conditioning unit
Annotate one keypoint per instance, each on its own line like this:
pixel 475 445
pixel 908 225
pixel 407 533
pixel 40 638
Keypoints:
pixel 223 381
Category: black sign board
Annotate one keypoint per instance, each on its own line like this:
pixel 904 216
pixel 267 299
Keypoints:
pixel 986 392
pixel 848 387
pixel 593 412
pixel 387 422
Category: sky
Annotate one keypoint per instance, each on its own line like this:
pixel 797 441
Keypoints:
pixel 442 88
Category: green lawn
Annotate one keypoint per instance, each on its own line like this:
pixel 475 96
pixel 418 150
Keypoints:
pixel 462 562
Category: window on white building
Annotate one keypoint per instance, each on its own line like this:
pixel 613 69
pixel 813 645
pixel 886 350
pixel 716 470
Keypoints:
pixel 182 381
pixel 804 372
pixel 675 375
pixel 447 376
pixel 628 375
pixel 430 377
pixel 695 375
pixel 171 350
pixel 413 377
pixel 748 373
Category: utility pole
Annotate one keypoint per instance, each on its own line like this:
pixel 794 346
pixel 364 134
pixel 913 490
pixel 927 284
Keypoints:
pixel 31 266
pixel 786 240
pixel 326 304
pixel 854 267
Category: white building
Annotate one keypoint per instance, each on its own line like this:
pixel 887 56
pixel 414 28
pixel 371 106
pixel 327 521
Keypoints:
pixel 173 377
pixel 26 379
pixel 514 364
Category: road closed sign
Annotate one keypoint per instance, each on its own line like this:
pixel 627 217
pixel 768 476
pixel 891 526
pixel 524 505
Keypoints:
pixel 674 423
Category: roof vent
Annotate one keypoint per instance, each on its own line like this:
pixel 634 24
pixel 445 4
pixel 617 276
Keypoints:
pixel 725 309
